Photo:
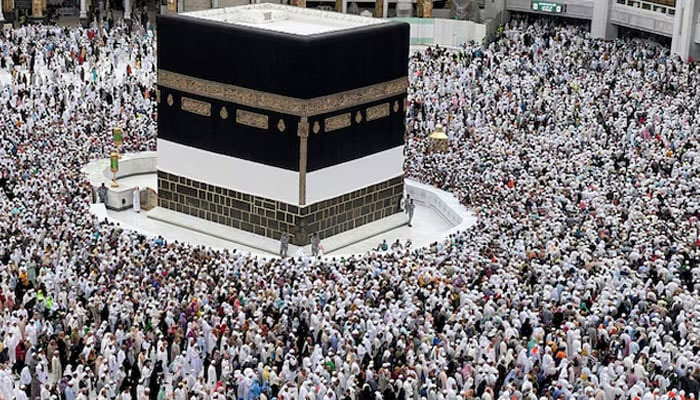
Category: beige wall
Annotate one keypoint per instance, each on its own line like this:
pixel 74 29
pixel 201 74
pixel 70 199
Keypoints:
pixel 231 3
pixel 195 5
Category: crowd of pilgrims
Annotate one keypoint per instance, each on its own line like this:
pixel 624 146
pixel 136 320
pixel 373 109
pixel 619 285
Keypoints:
pixel 579 281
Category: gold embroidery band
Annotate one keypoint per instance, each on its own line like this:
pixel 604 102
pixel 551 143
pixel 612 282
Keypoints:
pixel 378 111
pixel 196 106
pixel 278 103
pixel 255 120
pixel 337 122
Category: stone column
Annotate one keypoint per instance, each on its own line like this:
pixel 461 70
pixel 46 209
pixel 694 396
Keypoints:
pixel 684 29
pixel 496 9
pixel 83 14
pixel 172 6
pixel 338 5
pixel 214 3
pixel 127 12
pixel 345 7
pixel 601 27
pixel 378 7
pixel 385 9
pixel 180 5
pixel 299 3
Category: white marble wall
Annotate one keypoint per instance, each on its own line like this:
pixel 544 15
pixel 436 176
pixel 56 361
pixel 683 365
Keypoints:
pixel 136 165
pixel 98 172
pixel 447 32
pixel 442 202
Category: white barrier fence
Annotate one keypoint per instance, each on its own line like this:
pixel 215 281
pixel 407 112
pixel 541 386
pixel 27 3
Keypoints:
pixel 447 32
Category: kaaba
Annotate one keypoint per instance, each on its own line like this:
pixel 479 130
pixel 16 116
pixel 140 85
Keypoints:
pixel 277 119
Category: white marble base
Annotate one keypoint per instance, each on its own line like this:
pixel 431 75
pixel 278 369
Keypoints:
pixel 378 227
pixel 139 222
pixel 443 203
pixel 437 215
pixel 428 226
pixel 271 246
pixel 256 242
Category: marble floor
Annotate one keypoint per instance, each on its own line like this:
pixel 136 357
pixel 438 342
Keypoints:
pixel 129 219
pixel 428 226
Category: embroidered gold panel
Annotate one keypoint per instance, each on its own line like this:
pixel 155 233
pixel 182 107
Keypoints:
pixel 378 111
pixel 337 122
pixel 196 106
pixel 249 118
pixel 278 103
pixel 223 113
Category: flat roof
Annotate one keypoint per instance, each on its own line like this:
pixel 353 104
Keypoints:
pixel 286 19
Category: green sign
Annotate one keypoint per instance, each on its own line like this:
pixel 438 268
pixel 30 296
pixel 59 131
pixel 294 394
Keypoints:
pixel 544 6
pixel 114 163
